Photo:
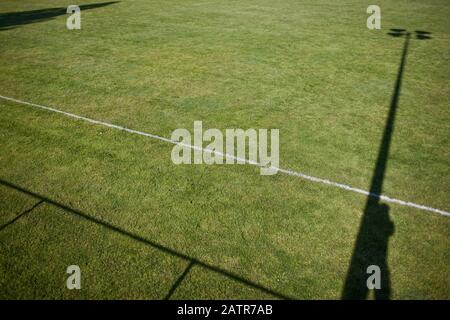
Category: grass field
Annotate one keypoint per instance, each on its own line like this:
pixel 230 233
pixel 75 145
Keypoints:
pixel 113 203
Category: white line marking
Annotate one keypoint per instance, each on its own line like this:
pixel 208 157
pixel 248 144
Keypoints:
pixel 285 171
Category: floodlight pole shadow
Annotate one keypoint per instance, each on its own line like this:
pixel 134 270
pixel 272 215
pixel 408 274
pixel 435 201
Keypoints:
pixel 371 244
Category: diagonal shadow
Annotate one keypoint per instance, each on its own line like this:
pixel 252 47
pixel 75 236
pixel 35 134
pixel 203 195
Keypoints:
pixel 179 280
pixel 11 20
pixel 376 227
pixel 22 214
pixel 162 248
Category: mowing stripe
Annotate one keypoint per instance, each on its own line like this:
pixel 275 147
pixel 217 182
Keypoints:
pixel 285 171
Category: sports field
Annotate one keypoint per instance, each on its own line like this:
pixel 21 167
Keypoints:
pixel 359 108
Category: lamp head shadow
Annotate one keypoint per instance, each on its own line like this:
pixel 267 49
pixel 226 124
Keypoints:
pixel 419 34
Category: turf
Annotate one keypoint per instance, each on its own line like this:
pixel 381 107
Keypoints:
pixel 309 68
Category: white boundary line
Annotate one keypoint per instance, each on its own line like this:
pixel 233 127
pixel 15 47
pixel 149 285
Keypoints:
pixel 285 171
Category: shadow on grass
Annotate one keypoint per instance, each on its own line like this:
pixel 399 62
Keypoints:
pixel 179 280
pixel 37 204
pixel 11 20
pixel 192 261
pixel 376 227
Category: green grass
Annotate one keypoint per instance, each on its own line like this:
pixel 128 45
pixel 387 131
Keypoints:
pixel 309 68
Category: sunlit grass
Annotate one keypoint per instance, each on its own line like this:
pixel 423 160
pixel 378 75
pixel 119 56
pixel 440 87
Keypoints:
pixel 309 68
